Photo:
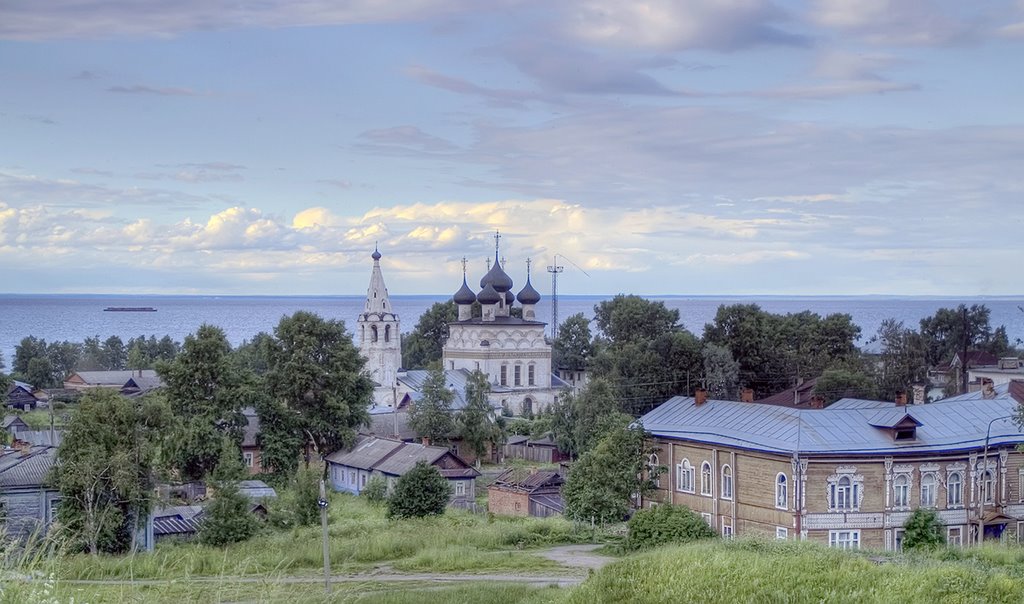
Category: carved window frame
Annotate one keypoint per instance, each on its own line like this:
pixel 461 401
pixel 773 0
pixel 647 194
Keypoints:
pixel 856 486
pixel 685 469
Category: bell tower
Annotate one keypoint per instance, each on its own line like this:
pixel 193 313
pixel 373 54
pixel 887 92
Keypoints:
pixel 380 342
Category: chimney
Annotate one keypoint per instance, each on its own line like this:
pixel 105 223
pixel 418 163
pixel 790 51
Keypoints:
pixel 700 396
pixel 747 395
pixel 919 394
pixel 901 398
pixel 426 441
pixel 988 389
pixel 533 470
pixel 21 446
pixel 817 402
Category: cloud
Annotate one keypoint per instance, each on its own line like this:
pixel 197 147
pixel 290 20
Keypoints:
pixel 494 96
pixel 27 189
pixel 838 74
pixel 403 139
pixel 154 90
pixel 672 25
pixel 61 19
pixel 902 22
pixel 336 182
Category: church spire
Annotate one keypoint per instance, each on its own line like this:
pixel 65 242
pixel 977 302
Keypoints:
pixel 377 293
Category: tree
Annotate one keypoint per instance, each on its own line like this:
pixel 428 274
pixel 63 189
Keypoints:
pixel 834 384
pixel 227 518
pixel 317 375
pixel 5 380
pixel 924 530
pixel 256 355
pixel 40 373
pixel 206 392
pixel 376 490
pixel 958 330
pixel 902 361
pixel 721 372
pixel 421 348
pixel 580 421
pixel 29 348
pixel 666 524
pixel 475 424
pixel 573 347
pixel 421 491
pixel 115 355
pixel 632 318
pixel 105 469
pixel 431 416
pixel 603 482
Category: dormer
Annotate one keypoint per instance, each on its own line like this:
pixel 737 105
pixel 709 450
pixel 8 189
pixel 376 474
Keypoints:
pixel 902 427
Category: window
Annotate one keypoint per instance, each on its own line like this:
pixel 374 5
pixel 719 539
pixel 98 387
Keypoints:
pixel 51 512
pixel 518 375
pixel 653 469
pixel 352 476
pixel 726 527
pixel 706 486
pixel 726 482
pixel 684 477
pixel 707 518
pixel 504 375
pixel 373 333
pixel 901 491
pixel 460 488
pixel 845 493
pixel 387 333
pixel 781 495
pixel 987 492
pixel 362 480
pixel 531 370
pixel 1020 485
pixel 527 406
pixel 781 533
pixel 1020 532
pixel 928 490
pixel 844 539
pixel 897 539
pixel 954 536
pixel 955 490
pixel 247 458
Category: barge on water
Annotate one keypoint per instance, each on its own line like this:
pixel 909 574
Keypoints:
pixel 129 309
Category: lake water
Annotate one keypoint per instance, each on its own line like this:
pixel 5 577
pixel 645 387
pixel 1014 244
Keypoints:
pixel 76 317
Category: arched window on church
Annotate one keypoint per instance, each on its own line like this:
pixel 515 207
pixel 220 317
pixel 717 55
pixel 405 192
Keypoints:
pixel 387 333
pixel 504 374
pixel 531 374
pixel 373 333
pixel 528 406
pixel 518 375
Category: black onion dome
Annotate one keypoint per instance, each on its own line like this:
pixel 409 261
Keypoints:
pixel 509 298
pixel 464 295
pixel 528 295
pixel 498 278
pixel 488 295
pixel 375 255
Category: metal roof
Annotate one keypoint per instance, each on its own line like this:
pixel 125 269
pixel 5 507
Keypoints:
pixel 26 468
pixel 113 378
pixel 454 379
pixel 41 437
pixel 389 425
pixel 255 489
pixel 944 426
pixel 366 453
pixel 403 459
pixel 396 458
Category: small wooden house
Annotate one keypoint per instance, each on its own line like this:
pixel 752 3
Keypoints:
pixel 21 396
pixel 29 503
pixel 526 493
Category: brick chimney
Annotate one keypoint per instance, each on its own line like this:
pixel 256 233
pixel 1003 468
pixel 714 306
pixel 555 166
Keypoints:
pixel 817 402
pixel 747 395
pixel 901 398
pixel 700 396
pixel 988 389
pixel 426 441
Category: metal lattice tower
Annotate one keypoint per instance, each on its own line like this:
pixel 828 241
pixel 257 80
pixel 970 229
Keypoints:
pixel 554 269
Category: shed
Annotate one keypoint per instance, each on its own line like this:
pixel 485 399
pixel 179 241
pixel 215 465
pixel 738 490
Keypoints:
pixel 29 502
pixel 526 493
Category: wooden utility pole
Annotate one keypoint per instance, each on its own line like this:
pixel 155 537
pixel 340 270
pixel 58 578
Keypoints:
pixel 322 502
pixel 963 359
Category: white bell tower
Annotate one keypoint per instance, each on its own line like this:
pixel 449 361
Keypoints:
pixel 380 342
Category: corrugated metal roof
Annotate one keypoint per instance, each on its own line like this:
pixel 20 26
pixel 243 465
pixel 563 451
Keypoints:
pixel 389 425
pixel 174 525
pixel 41 437
pixel 404 458
pixel 366 453
pixel 516 479
pixel 113 378
pixel 454 379
pixel 256 489
pixel 549 500
pixel 26 469
pixel 945 426
pixel 857 403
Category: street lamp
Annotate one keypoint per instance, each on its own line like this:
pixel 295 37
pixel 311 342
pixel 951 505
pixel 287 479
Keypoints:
pixel 981 511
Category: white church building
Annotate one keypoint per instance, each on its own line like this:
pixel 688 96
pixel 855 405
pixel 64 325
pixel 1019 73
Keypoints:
pixel 512 351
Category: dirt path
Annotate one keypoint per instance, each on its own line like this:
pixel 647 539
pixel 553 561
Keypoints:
pixel 577 556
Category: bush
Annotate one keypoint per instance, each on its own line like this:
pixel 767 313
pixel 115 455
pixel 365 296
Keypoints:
pixel 923 530
pixel 666 524
pixel 421 492
pixel 376 490
pixel 227 519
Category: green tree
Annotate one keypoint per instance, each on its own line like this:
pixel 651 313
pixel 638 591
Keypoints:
pixel 604 480
pixel 666 524
pixel 206 392
pixel 40 373
pixel 105 469
pixel 29 348
pixel 115 355
pixel 721 372
pixel 632 318
pixel 317 376
pixel 431 416
pixel 475 424
pixel 421 348
pixel 376 490
pixel 256 355
pixel 227 518
pixel 573 347
pixel 837 383
pixel 421 491
pixel 902 361
pixel 5 380
pixel 594 412
pixel 64 358
pixel 924 530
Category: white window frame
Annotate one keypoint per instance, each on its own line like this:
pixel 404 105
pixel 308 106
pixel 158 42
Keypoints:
pixel 460 488
pixel 845 490
pixel 781 491
pixel 955 496
pixel 517 374
pixel 684 476
pixel 503 374
pixel 781 533
pixel 707 518
pixel 954 536
pixel 707 479
pixel 987 486
pixel 897 539
pixel 901 491
pixel 727 484
pixel 531 374
pixel 248 458
pixel 653 469
pixel 727 532
pixel 929 486
pixel 852 540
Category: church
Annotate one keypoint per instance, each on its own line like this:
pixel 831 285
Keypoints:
pixel 505 342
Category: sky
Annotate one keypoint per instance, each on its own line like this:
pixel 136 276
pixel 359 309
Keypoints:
pixel 711 147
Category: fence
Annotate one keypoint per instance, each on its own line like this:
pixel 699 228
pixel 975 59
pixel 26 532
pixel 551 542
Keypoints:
pixel 535 454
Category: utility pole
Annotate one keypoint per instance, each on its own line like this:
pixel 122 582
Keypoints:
pixel 554 269
pixel 963 359
pixel 322 502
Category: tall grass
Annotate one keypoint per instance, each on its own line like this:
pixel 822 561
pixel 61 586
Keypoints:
pixel 788 572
